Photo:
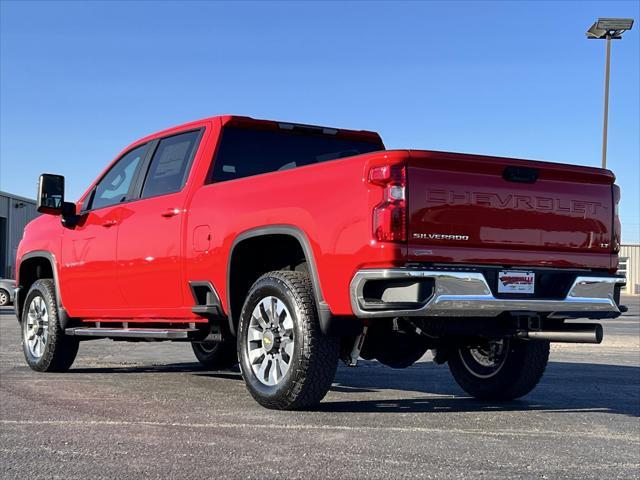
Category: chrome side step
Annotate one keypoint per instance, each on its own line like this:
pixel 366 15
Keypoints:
pixel 153 333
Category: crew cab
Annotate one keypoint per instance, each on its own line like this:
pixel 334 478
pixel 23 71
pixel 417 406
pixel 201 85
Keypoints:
pixel 287 247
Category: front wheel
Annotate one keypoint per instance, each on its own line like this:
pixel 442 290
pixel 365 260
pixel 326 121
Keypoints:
pixel 46 347
pixel 499 370
pixel 286 361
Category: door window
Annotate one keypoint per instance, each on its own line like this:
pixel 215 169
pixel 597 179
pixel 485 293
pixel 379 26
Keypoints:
pixel 170 164
pixel 115 185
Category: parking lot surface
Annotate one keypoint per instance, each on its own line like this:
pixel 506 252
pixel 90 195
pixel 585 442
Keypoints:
pixel 131 410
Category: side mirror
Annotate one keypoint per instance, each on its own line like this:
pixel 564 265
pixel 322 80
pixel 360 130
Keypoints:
pixel 50 198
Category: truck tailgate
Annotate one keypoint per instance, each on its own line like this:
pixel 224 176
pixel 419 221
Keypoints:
pixel 488 203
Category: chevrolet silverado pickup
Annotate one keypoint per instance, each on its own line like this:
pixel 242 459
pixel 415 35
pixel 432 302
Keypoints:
pixel 287 247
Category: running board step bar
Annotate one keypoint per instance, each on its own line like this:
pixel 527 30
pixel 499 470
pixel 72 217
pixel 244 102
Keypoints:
pixel 154 333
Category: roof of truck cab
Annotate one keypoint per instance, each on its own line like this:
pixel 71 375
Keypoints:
pixel 239 120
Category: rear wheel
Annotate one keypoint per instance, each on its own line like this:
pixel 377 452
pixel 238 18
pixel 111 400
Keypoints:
pixel 46 348
pixel 499 370
pixel 286 361
pixel 216 355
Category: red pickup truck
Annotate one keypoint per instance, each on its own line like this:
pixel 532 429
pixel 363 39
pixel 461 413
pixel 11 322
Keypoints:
pixel 286 247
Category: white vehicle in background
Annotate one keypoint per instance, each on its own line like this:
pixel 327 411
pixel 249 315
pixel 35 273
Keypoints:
pixel 7 288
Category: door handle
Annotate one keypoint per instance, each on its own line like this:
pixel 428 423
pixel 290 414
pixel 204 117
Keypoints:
pixel 170 212
pixel 109 223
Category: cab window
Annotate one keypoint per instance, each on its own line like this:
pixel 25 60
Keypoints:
pixel 170 164
pixel 115 185
pixel 247 151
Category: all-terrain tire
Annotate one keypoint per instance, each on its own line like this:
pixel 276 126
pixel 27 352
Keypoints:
pixel 314 357
pixel 59 350
pixel 521 371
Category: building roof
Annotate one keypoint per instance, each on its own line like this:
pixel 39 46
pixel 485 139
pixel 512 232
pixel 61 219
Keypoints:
pixel 17 197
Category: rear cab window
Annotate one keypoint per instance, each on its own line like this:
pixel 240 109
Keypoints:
pixel 246 151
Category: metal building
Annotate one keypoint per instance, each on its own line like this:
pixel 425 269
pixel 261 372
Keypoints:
pixel 630 267
pixel 15 213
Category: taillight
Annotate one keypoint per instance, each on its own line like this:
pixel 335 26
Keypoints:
pixel 617 227
pixel 390 216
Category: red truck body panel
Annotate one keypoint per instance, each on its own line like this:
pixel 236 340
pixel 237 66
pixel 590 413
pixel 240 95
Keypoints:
pixel 336 225
pixel 562 220
pixel 463 211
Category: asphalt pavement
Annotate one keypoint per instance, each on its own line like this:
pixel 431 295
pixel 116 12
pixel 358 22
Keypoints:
pixel 148 410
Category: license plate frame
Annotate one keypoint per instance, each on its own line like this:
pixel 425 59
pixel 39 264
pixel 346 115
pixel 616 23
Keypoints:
pixel 522 282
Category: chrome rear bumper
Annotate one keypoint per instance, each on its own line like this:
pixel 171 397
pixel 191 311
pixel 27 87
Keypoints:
pixel 467 294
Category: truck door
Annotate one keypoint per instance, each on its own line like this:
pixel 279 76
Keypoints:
pixel 88 263
pixel 149 250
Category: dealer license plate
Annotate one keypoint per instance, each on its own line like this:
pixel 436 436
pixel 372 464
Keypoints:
pixel 516 281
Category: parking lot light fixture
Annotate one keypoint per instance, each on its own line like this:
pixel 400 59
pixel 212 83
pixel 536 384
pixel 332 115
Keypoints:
pixel 608 29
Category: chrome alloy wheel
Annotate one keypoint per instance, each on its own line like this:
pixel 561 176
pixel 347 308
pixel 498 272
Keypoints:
pixel 4 298
pixel 36 327
pixel 487 360
pixel 270 340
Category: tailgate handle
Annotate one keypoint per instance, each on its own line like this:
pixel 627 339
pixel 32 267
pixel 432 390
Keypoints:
pixel 520 174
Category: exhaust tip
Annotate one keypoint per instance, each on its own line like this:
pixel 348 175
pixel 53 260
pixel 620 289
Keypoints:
pixel 569 333
pixel 599 333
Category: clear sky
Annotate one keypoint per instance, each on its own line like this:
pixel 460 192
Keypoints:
pixel 81 80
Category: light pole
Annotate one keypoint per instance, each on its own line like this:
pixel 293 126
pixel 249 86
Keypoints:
pixel 608 29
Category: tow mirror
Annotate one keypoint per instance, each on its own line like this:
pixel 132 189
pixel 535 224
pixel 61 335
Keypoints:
pixel 50 194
